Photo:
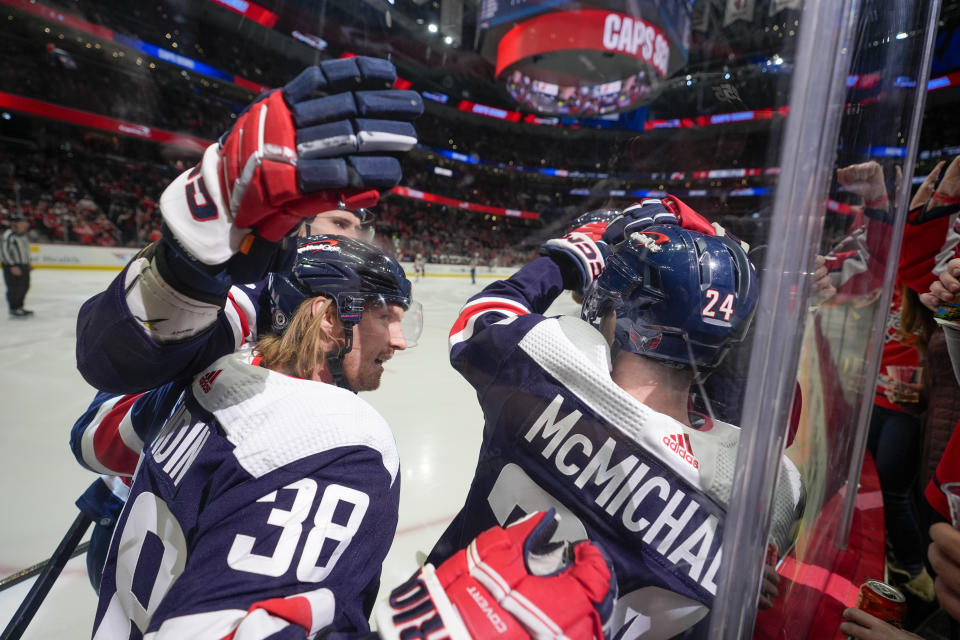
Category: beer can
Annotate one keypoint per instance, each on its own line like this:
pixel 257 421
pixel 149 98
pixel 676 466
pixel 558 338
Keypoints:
pixel 883 601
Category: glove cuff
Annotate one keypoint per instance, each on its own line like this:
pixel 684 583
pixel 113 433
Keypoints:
pixel 196 214
pixel 165 314
pixel 419 608
pixel 570 269
pixel 190 277
pixel 580 259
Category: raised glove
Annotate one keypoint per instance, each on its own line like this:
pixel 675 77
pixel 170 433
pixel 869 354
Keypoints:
pixel 665 210
pixel 581 253
pixel 594 223
pixel 322 142
pixel 637 217
pixel 508 583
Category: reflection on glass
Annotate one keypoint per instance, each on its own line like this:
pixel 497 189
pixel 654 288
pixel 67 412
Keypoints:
pixel 535 113
pixel 858 322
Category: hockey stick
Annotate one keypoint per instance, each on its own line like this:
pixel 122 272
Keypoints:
pixel 48 575
pixel 25 574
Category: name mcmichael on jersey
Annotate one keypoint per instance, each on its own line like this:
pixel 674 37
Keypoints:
pixel 643 501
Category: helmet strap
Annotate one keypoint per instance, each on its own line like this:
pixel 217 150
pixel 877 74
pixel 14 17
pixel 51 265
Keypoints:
pixel 335 360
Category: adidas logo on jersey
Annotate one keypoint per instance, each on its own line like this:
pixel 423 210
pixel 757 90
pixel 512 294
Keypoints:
pixel 207 380
pixel 679 443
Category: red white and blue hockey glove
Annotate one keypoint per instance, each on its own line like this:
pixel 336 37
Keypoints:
pixel 508 583
pixel 594 223
pixel 665 210
pixel 326 140
pixel 581 254
pixel 637 217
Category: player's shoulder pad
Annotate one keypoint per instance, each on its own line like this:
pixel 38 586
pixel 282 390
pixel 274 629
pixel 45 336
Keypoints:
pixel 273 419
pixel 551 336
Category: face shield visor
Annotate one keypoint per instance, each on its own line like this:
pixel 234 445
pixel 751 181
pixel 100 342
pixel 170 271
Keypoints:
pixel 410 310
pixel 358 223
pixel 367 219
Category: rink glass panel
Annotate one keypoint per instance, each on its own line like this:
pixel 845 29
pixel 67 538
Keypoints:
pixel 745 115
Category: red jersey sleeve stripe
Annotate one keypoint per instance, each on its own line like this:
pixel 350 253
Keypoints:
pixel 238 320
pixel 116 446
pixel 88 453
pixel 484 305
pixel 312 610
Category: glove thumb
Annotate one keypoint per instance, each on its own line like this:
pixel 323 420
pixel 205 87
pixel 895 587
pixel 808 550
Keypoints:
pixel 594 570
pixel 689 219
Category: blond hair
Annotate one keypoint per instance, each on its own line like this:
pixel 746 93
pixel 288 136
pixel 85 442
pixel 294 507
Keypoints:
pixel 304 345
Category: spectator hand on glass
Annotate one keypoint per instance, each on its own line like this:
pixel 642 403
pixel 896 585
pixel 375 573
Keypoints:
pixel 865 180
pixel 927 187
pixel 823 288
pixel 768 588
pixel 932 195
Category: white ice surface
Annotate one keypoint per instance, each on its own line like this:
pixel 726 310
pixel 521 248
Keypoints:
pixel 433 412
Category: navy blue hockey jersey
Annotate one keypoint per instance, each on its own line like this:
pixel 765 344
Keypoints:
pixel 113 343
pixel 560 433
pixel 264 506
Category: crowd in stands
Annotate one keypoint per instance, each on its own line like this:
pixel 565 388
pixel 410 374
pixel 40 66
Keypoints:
pixel 112 200
pixel 546 195
pixel 94 199
pixel 451 236
pixel 83 73
pixel 83 198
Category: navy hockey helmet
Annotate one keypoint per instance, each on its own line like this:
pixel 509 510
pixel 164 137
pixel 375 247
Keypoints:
pixel 352 273
pixel 680 297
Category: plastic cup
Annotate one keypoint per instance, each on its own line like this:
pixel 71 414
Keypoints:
pixel 906 380
pixel 952 491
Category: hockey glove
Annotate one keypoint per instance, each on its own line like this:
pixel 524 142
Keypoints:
pixel 508 583
pixel 594 223
pixel 324 141
pixel 666 210
pixel 581 253
pixel 637 217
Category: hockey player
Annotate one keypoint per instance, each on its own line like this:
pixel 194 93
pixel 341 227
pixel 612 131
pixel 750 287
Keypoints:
pixel 419 266
pixel 215 554
pixel 324 143
pixel 271 478
pixel 604 435
pixel 266 502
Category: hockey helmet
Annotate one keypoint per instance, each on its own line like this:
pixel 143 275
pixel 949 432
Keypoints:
pixel 681 297
pixel 352 273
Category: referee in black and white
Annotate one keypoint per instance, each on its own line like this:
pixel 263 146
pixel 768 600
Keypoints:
pixel 15 255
